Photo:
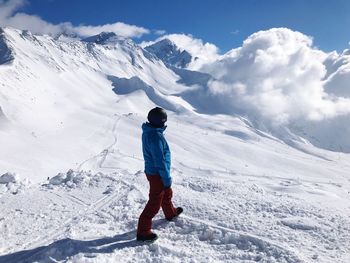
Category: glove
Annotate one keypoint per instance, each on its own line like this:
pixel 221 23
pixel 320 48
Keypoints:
pixel 168 185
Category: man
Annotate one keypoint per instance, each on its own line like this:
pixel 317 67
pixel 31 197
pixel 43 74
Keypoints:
pixel 156 154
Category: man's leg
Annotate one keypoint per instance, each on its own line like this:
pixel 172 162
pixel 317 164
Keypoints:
pixel 167 205
pixel 153 205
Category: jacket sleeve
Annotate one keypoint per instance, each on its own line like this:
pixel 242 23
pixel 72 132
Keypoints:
pixel 157 151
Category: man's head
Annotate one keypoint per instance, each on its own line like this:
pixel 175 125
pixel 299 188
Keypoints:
pixel 157 117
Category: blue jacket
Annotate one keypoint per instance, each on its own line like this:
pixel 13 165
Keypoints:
pixel 156 153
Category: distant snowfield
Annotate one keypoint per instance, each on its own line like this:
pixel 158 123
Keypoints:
pixel 71 180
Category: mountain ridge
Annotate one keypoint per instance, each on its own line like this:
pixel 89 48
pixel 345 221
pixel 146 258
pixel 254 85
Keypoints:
pixel 169 53
pixel 6 53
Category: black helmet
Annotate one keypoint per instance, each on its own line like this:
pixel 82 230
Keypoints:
pixel 157 117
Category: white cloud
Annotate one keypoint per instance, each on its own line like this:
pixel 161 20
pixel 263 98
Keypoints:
pixel 276 75
pixel 10 16
pixel 203 53
pixel 8 7
pixel 338 74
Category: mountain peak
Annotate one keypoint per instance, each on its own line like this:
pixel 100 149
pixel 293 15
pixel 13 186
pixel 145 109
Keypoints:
pixel 104 38
pixel 170 53
pixel 165 43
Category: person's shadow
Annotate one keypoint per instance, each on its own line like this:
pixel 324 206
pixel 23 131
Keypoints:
pixel 63 249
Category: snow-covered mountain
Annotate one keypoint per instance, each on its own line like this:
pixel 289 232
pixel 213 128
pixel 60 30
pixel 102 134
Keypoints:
pixel 169 53
pixel 70 79
pixel 71 180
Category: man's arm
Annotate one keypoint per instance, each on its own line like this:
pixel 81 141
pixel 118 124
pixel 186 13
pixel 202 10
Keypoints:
pixel 157 151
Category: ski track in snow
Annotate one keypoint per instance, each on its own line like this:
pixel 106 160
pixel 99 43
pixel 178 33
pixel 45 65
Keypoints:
pixel 61 230
pixel 95 206
pixel 56 233
pixel 103 154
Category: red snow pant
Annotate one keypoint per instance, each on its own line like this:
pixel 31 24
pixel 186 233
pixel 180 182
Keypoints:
pixel 158 197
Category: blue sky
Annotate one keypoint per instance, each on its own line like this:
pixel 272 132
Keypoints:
pixel 226 23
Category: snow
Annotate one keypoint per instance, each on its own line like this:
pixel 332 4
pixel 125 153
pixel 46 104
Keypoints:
pixel 299 223
pixel 8 178
pixel 73 115
pixel 73 179
pixel 11 183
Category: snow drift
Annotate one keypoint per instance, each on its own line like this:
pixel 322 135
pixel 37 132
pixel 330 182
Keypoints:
pixel 11 183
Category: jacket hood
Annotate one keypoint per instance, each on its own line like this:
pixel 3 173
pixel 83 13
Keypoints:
pixel 146 127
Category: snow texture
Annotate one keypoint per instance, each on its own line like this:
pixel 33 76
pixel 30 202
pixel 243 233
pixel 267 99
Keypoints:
pixel 73 179
pixel 10 183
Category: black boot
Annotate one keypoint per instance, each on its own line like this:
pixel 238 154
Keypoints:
pixel 179 210
pixel 147 238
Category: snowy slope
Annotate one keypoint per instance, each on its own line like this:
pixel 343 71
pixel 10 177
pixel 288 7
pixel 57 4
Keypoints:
pixel 72 112
pixel 56 92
